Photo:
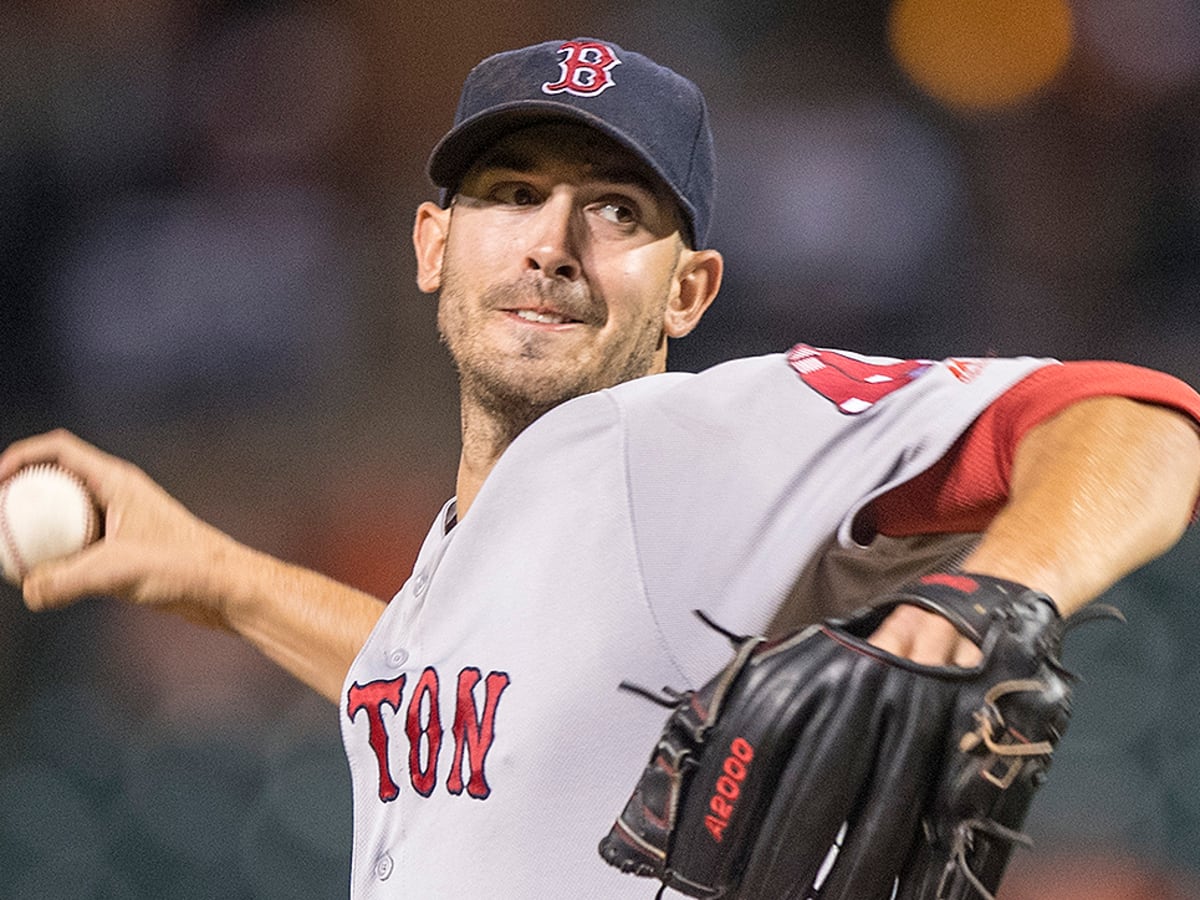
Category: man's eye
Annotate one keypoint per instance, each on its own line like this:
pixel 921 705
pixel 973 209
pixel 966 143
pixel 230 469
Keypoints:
pixel 617 213
pixel 514 194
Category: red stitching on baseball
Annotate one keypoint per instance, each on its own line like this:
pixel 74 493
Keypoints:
pixel 10 540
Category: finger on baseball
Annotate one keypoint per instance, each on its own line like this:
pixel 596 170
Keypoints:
pixel 34 449
pixel 66 449
pixel 58 446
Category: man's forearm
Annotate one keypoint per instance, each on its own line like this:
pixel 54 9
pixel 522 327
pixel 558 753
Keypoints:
pixel 308 623
pixel 1097 491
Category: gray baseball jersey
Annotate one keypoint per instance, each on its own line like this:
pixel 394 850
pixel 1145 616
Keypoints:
pixel 489 745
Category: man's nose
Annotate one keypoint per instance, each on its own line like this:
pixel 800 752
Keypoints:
pixel 554 243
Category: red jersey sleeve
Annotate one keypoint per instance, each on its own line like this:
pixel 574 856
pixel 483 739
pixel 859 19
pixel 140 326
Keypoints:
pixel 967 487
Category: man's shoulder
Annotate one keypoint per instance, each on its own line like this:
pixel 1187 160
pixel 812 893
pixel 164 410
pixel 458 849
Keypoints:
pixel 728 374
pixel 808 385
pixel 852 381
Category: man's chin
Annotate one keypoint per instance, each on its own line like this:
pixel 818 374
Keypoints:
pixel 523 396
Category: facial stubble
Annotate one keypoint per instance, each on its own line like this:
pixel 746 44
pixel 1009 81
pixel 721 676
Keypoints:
pixel 514 390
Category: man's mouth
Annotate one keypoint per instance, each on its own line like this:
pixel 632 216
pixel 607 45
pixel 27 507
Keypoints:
pixel 542 317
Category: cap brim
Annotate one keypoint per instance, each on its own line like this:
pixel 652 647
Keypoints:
pixel 465 143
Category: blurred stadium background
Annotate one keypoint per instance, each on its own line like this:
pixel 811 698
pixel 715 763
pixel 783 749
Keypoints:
pixel 205 267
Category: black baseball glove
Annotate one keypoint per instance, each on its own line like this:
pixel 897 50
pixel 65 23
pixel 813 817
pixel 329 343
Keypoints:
pixel 819 766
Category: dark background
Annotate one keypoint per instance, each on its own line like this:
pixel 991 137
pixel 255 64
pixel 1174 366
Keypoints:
pixel 205 267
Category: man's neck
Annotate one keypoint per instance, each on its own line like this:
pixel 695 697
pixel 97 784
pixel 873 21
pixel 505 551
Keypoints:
pixel 491 422
pixel 486 434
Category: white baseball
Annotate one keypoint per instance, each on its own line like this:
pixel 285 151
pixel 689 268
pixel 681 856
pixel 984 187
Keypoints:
pixel 45 512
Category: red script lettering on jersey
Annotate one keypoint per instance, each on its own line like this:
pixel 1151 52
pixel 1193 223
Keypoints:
pixel 472 732
pixel 853 385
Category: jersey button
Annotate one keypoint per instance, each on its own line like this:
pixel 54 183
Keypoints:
pixel 420 582
pixel 384 866
pixel 397 657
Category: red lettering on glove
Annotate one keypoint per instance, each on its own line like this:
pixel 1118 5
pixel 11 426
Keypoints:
pixel 728 787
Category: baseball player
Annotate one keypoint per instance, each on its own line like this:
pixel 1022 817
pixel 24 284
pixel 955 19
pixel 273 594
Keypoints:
pixel 600 499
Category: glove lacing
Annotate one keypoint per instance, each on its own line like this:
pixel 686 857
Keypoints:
pixel 990 724
pixel 964 838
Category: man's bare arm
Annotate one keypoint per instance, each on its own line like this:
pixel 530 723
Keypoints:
pixel 156 553
pixel 1098 490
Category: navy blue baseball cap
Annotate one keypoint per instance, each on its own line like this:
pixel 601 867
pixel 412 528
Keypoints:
pixel 656 113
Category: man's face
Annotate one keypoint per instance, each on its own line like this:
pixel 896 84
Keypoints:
pixel 561 256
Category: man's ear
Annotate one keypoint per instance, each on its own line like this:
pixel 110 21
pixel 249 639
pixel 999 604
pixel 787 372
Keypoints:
pixel 698 280
pixel 430 229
